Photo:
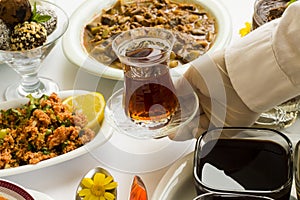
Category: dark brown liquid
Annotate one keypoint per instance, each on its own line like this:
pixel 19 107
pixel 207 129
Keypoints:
pixel 254 165
pixel 149 91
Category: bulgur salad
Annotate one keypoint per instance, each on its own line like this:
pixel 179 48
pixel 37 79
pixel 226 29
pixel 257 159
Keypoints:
pixel 41 129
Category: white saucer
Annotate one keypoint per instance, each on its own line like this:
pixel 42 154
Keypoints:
pixel 187 111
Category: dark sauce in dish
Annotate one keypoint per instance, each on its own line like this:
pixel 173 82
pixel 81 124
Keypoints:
pixel 256 165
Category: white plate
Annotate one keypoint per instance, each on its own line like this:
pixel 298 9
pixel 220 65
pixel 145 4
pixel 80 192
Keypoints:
pixel 75 52
pixel 178 182
pixel 13 191
pixel 102 137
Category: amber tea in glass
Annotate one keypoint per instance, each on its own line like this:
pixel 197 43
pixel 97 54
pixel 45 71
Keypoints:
pixel 149 94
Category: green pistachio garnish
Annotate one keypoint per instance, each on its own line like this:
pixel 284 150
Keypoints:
pixel 36 17
pixel 290 2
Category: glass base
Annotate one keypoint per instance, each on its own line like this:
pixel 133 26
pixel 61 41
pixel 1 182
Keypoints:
pixel 47 86
pixel 116 117
pixel 281 116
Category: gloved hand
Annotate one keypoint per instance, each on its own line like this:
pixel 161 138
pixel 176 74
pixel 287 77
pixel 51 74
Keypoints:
pixel 220 105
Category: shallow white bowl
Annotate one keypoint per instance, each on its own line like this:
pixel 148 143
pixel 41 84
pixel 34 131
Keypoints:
pixel 74 50
pixel 102 137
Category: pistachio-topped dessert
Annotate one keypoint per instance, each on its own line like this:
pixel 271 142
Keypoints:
pixel 24 26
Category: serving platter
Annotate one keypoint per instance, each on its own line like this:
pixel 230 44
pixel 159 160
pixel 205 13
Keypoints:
pixel 102 137
pixel 178 183
pixel 14 191
pixel 73 45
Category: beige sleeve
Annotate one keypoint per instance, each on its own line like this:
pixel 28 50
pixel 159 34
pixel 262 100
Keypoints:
pixel 220 105
pixel 264 66
pixel 251 76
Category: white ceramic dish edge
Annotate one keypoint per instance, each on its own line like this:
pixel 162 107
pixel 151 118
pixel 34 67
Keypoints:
pixel 102 136
pixel 174 178
pixel 11 190
pixel 75 52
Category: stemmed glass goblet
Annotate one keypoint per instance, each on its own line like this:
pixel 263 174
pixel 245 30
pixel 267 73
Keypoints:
pixel 27 62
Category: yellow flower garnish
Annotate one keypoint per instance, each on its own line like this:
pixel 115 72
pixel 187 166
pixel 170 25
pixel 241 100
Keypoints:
pixel 244 31
pixel 99 188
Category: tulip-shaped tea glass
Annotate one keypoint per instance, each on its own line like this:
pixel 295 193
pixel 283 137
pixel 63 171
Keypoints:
pixel 27 62
pixel 244 161
pixel 150 103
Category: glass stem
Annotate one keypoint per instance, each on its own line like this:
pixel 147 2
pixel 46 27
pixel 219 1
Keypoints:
pixel 30 82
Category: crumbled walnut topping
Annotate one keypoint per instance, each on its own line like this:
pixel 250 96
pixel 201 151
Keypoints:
pixel 27 36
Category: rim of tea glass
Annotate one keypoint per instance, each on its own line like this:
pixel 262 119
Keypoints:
pixel 226 194
pixel 264 192
pixel 118 47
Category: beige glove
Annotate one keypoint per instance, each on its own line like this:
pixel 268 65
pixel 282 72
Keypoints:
pixel 220 105
pixel 249 77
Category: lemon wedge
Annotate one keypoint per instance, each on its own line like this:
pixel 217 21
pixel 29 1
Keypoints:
pixel 91 105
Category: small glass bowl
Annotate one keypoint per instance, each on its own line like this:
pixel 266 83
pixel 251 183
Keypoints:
pixel 237 160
